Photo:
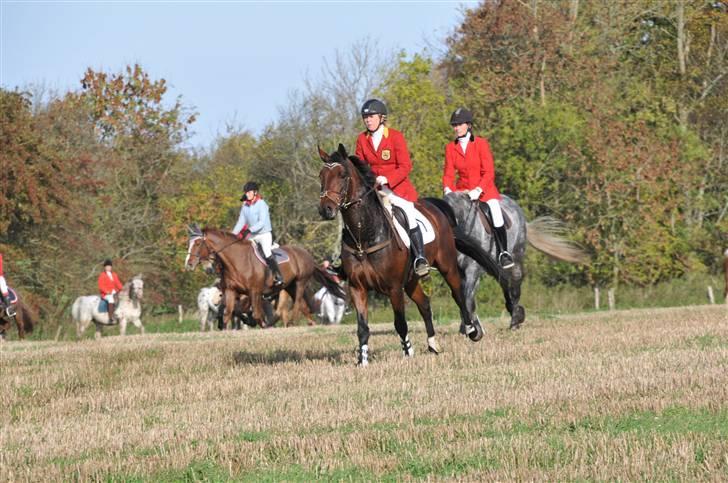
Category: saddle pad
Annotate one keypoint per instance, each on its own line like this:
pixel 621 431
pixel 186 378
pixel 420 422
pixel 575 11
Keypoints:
pixel 103 306
pixel 428 233
pixel 281 256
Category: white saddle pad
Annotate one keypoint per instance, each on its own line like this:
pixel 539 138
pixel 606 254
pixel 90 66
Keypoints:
pixel 428 233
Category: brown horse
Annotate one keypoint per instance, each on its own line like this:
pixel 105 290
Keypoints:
pixel 23 319
pixel 244 274
pixel 373 257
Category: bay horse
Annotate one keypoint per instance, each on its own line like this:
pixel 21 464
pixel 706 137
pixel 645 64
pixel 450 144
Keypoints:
pixel 373 258
pixel 543 233
pixel 24 319
pixel 243 273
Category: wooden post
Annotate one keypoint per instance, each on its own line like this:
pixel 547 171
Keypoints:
pixel 610 296
pixel 596 297
pixel 181 314
pixel 711 297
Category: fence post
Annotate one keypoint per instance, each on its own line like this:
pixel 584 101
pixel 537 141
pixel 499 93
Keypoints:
pixel 610 296
pixel 711 297
pixel 181 314
pixel 596 297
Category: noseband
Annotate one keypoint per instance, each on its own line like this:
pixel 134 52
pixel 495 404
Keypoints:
pixel 341 203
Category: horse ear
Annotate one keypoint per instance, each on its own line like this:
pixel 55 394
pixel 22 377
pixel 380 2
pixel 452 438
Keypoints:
pixel 324 157
pixel 342 151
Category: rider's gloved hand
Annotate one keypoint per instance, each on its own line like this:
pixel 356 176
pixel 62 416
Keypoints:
pixel 382 180
pixel 475 193
pixel 447 191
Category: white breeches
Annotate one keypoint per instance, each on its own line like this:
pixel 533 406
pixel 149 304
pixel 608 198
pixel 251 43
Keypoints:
pixel 3 285
pixel 407 206
pixel 495 212
pixel 110 298
pixel 265 242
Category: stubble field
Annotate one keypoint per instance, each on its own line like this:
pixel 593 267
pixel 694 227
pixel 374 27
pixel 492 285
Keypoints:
pixel 627 395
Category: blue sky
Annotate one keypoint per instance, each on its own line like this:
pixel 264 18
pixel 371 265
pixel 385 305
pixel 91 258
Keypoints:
pixel 235 62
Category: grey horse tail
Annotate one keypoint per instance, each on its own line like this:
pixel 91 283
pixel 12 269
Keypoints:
pixel 444 207
pixel 327 281
pixel 546 234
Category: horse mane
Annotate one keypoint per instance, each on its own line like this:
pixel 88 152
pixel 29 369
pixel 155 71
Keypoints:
pixel 364 170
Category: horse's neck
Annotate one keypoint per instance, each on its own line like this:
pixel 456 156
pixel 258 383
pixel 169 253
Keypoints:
pixel 366 219
pixel 225 248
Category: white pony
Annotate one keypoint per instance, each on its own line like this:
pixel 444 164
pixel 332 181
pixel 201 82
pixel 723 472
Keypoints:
pixel 208 304
pixel 128 309
pixel 331 307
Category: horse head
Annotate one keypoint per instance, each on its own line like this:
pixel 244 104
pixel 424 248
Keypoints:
pixel 339 183
pixel 136 288
pixel 198 251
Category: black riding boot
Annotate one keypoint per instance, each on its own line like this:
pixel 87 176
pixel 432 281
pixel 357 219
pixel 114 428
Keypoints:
pixel 7 306
pixel 111 312
pixel 273 265
pixel 505 259
pixel 422 268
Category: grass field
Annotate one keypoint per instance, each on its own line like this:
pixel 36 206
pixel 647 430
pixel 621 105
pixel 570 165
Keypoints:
pixel 625 395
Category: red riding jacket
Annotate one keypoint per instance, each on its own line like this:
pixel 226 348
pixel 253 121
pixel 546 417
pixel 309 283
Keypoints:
pixel 1 265
pixel 391 160
pixel 474 168
pixel 108 285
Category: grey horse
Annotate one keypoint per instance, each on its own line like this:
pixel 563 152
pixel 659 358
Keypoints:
pixel 478 253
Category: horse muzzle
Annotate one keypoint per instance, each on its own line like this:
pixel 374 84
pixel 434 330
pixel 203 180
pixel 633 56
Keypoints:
pixel 327 212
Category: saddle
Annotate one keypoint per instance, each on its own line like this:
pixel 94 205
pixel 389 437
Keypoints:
pixel 487 218
pixel 280 255
pixel 399 221
pixel 103 306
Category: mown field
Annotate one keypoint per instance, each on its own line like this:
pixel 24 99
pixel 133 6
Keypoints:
pixel 625 395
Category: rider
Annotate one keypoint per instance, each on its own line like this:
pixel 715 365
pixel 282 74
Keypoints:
pixel 470 157
pixel 385 150
pixel 255 215
pixel 109 286
pixel 5 292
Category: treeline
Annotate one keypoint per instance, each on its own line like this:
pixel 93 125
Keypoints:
pixel 612 116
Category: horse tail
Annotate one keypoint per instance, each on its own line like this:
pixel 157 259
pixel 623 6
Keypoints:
pixel 328 281
pixel 474 249
pixel 444 208
pixel 546 234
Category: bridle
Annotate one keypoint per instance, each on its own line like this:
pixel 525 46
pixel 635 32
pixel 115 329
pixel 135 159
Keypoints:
pixel 212 253
pixel 344 205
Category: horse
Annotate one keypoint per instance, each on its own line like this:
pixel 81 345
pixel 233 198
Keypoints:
pixel 243 273
pixel 479 253
pixel 24 319
pixel 330 307
pixel 373 256
pixel 85 309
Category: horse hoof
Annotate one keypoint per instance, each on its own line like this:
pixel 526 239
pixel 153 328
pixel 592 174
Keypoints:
pixel 434 349
pixel 475 331
pixel 407 348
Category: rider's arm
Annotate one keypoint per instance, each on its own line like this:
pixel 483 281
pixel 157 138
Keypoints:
pixel 487 170
pixel 262 217
pixel 403 163
pixel 448 175
pixel 241 221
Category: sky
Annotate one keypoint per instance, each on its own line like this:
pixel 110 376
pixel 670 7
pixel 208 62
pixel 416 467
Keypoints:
pixel 235 62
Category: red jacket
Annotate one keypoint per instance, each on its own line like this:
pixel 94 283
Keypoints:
pixel 391 160
pixel 474 168
pixel 107 285
pixel 1 265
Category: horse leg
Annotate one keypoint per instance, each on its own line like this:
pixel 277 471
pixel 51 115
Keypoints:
pixel 471 325
pixel 97 335
pixel 230 298
pixel 20 323
pixel 418 296
pixel 256 302
pixel 122 325
pixel 138 324
pixel 396 297
pixel 359 298
pixel 300 305
pixel 470 275
pixel 512 294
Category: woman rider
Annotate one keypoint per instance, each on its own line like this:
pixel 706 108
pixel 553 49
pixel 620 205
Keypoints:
pixel 469 157
pixel 255 214
pixel 5 292
pixel 385 150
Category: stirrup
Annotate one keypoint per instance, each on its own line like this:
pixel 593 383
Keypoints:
pixel 505 259
pixel 422 268
pixel 10 311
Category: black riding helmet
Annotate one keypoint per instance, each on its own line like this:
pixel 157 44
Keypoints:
pixel 373 106
pixel 461 115
pixel 107 262
pixel 249 186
